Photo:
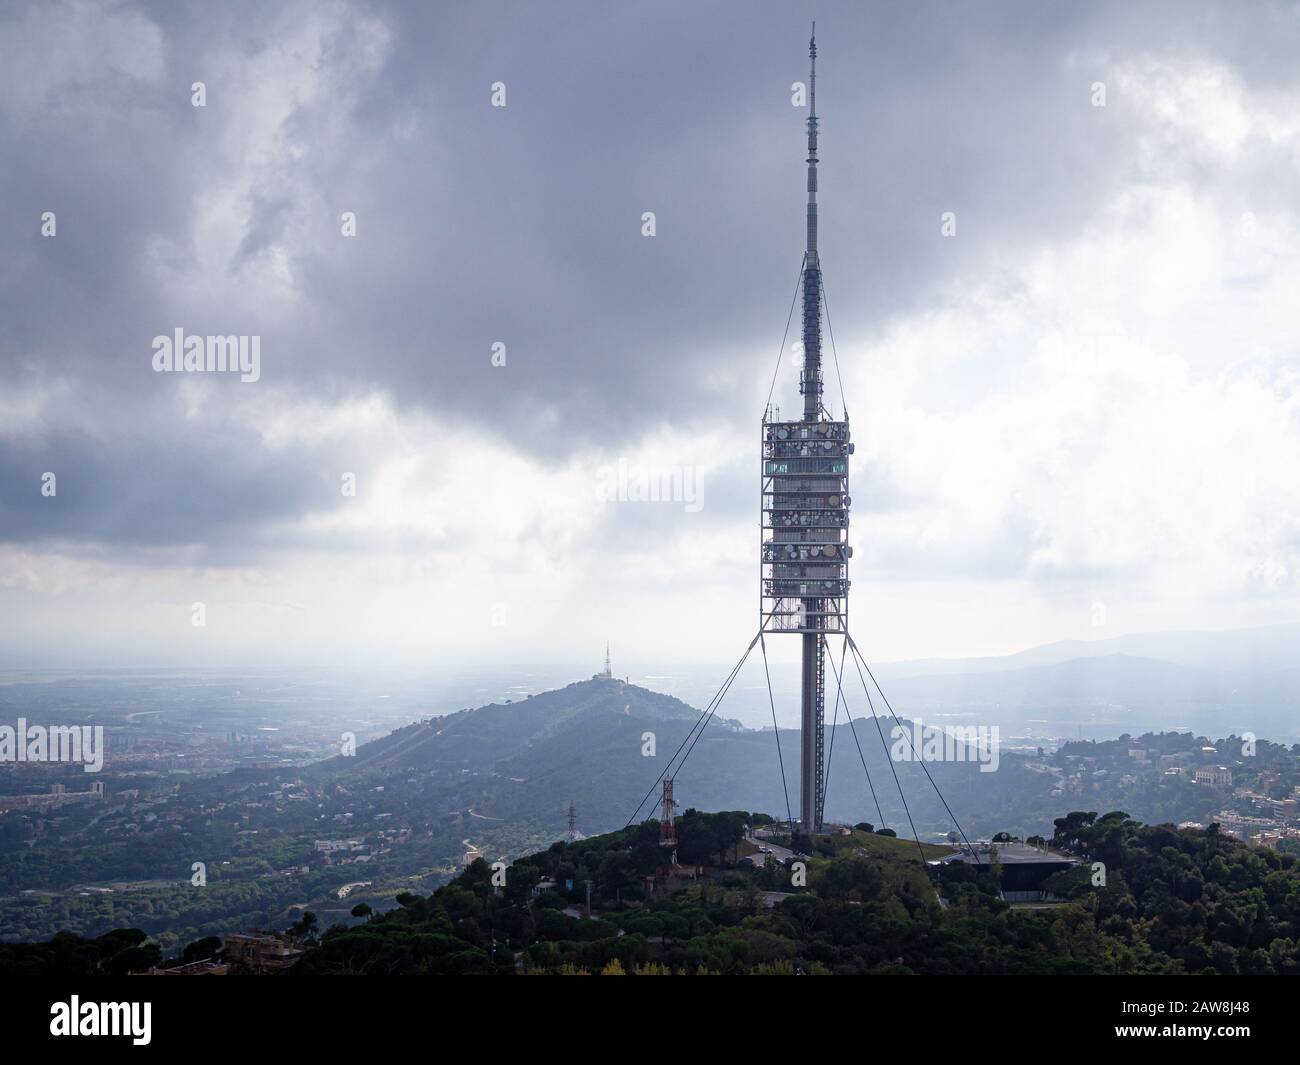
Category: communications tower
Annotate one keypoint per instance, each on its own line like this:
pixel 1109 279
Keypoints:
pixel 804 558
pixel 805 513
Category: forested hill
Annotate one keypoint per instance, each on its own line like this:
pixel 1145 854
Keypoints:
pixel 601 743
pixel 573 717
pixel 1172 902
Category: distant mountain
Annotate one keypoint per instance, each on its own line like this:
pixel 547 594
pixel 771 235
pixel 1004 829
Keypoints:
pixel 1210 682
pixel 1263 649
pixel 502 731
pixel 1103 696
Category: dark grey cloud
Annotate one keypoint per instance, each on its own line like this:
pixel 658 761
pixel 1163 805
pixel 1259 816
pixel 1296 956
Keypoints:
pixel 140 491
pixel 522 224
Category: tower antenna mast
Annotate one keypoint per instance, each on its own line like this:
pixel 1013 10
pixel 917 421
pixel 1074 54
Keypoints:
pixel 810 381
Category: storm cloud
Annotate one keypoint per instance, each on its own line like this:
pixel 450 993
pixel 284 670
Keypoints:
pixel 1031 397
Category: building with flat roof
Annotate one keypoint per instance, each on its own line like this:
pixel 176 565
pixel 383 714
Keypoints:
pixel 1216 776
pixel 259 952
pixel 1021 869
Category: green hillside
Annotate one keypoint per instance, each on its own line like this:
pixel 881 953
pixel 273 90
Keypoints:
pixel 1173 902
pixel 877 846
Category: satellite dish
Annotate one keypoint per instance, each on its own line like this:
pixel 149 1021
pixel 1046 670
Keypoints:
pixel 848 501
pixel 835 501
pixel 829 551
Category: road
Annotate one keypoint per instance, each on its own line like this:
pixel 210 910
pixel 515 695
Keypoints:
pixel 781 854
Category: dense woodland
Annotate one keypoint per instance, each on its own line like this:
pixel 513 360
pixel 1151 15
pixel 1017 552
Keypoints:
pixel 1174 901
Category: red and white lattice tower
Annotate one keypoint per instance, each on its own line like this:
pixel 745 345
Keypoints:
pixel 667 831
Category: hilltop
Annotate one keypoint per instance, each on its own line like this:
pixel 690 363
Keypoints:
pixel 539 727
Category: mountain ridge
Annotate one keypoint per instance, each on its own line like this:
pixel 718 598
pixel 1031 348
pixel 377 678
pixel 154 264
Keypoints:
pixel 1267 647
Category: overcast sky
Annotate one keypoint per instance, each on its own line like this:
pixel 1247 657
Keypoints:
pixel 1078 416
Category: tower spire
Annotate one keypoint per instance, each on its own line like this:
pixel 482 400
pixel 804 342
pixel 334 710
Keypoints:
pixel 810 381
pixel 812 147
